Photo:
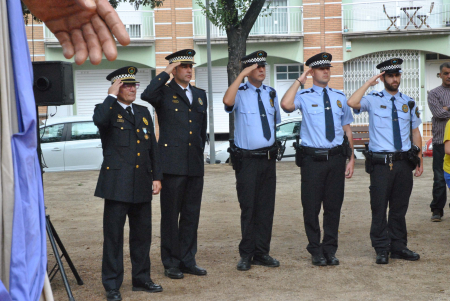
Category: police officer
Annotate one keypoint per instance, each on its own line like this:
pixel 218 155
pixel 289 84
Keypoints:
pixel 326 119
pixel 181 110
pixel 130 167
pixel 391 181
pixel 255 108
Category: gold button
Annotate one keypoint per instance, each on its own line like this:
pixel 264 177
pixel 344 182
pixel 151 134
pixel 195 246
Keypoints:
pixel 139 154
pixel 189 144
pixel 107 167
pixel 190 132
pixel 137 130
pixel 138 141
pixel 165 144
pixel 151 170
pixel 190 120
pixel 121 128
pixel 189 110
pixel 159 79
pixel 110 108
pixel 176 110
pixel 137 166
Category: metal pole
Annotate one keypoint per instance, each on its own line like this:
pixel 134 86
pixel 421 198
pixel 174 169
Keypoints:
pixel 212 149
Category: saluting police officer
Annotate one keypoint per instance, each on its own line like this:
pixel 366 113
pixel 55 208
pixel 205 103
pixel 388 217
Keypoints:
pixel 392 115
pixel 255 108
pixel 324 149
pixel 181 110
pixel 130 167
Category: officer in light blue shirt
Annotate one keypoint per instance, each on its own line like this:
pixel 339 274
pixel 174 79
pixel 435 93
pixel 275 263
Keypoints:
pixel 393 122
pixel 326 120
pixel 256 112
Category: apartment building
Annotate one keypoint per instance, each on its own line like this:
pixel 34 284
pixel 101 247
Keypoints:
pixel 358 33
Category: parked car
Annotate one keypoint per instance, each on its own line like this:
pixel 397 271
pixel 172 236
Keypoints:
pixel 428 152
pixel 287 130
pixel 70 143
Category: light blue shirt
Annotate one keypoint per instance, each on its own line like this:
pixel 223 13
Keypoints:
pixel 310 103
pixel 381 133
pixel 248 133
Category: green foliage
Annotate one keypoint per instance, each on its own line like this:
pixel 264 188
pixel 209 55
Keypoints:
pixel 223 13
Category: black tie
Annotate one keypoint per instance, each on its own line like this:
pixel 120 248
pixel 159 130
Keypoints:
pixel 264 120
pixel 185 92
pixel 329 122
pixel 396 127
pixel 129 111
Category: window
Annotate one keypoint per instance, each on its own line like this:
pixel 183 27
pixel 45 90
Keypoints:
pixel 51 133
pixel 84 131
pixel 288 130
pixel 288 72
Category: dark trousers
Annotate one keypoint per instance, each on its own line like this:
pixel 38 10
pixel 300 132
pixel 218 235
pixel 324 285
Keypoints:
pixel 390 188
pixel 322 183
pixel 181 198
pixel 255 185
pixel 140 221
pixel 439 186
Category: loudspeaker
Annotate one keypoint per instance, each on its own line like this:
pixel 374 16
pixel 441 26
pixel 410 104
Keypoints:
pixel 53 83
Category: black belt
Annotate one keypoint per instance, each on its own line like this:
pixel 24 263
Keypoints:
pixel 310 151
pixel 266 152
pixel 396 156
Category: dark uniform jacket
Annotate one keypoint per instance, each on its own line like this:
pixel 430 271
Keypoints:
pixel 130 153
pixel 182 126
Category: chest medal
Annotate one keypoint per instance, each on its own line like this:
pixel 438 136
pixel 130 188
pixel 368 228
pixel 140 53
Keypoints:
pixel 145 120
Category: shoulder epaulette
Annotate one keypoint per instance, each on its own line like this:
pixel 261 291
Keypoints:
pixel 337 91
pixel 376 93
pixel 140 105
pixel 307 91
pixel 243 88
pixel 198 88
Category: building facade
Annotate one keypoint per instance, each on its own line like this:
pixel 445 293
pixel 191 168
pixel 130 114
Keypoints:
pixel 358 33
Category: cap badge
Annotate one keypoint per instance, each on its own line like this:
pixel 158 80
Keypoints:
pixel 394 62
pixel 260 54
pixel 339 104
pixel 132 70
pixel 325 56
pixel 189 53
pixel 200 101
pixel 145 120
pixel 405 108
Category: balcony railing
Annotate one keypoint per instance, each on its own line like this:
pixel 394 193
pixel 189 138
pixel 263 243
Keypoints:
pixel 393 16
pixel 139 25
pixel 284 20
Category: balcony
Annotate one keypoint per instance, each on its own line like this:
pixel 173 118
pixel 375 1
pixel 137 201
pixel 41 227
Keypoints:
pixel 140 26
pixel 395 18
pixel 284 24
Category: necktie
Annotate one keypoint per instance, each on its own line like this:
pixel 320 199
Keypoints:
pixel 185 92
pixel 264 120
pixel 396 127
pixel 329 122
pixel 128 109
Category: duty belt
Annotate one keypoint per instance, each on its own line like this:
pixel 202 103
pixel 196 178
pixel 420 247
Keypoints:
pixel 267 152
pixel 310 151
pixel 396 156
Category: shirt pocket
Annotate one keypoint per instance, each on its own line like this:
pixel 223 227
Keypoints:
pixel 404 122
pixel 382 118
pixel 316 114
pixel 122 133
pixel 250 115
pixel 337 117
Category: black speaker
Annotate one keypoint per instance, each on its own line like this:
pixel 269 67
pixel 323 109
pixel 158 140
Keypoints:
pixel 53 83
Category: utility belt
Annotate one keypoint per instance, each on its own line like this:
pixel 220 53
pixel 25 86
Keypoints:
pixel 388 158
pixel 237 154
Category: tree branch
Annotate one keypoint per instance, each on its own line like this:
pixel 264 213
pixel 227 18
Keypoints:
pixel 252 14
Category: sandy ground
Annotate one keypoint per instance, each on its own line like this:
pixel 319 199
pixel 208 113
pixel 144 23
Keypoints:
pixel 77 216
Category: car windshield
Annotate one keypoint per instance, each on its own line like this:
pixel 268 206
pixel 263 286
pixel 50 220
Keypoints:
pixel 288 129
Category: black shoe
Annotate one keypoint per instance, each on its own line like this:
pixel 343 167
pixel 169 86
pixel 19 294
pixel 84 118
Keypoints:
pixel 113 295
pixel 405 254
pixel 266 260
pixel 331 259
pixel 244 264
pixel 319 260
pixel 173 273
pixel 148 287
pixel 436 215
pixel 382 257
pixel 194 270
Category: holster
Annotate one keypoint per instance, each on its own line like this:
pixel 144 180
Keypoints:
pixel 368 155
pixel 236 157
pixel 298 154
pixel 413 156
pixel 347 150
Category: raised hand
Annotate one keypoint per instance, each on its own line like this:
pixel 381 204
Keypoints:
pixel 114 89
pixel 374 80
pixel 304 76
pixel 249 70
pixel 172 66
pixel 83 27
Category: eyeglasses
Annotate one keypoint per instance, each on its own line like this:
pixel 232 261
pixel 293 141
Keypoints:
pixel 129 86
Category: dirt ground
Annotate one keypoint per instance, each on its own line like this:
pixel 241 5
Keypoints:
pixel 77 217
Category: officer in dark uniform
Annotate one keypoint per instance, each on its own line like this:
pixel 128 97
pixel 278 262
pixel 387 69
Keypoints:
pixel 255 108
pixel 181 110
pixel 323 153
pixel 392 115
pixel 129 175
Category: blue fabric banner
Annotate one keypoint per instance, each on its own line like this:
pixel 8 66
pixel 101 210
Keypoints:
pixel 29 249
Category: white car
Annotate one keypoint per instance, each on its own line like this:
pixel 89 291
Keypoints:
pixel 287 130
pixel 70 143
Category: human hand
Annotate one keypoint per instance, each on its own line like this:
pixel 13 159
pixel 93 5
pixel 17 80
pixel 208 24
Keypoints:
pixel 114 89
pixel 419 169
pixel 304 76
pixel 350 168
pixel 248 70
pixel 156 187
pixel 82 27
pixel 374 80
pixel 172 66
pixel 445 108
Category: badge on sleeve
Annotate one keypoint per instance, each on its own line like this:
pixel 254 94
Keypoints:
pixel 271 102
pixel 339 104
pixel 200 101
pixel 145 120
pixel 405 108
pixel 417 112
